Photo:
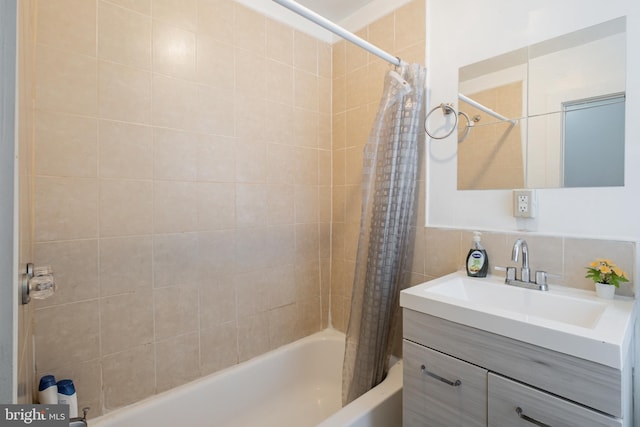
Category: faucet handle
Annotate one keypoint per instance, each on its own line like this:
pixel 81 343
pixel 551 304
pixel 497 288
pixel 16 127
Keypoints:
pixel 541 277
pixel 510 273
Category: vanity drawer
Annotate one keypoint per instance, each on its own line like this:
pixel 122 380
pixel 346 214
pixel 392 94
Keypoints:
pixel 441 391
pixel 517 405
pixel 588 383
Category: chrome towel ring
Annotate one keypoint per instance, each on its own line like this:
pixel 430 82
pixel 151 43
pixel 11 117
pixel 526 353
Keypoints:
pixel 446 110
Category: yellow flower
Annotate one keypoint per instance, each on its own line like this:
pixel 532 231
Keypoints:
pixel 619 272
pixel 604 269
pixel 594 264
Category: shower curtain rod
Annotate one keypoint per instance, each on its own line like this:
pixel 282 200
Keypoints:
pixel 338 30
pixel 485 109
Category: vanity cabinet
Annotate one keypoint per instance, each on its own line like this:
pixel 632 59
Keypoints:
pixel 439 390
pixel 502 381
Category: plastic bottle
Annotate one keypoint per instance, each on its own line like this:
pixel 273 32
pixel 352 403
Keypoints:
pixel 67 396
pixel 477 260
pixel 48 390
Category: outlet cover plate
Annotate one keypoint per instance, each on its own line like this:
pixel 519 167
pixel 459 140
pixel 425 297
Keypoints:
pixel 524 203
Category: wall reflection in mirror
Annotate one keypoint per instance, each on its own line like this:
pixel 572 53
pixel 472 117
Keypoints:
pixel 548 115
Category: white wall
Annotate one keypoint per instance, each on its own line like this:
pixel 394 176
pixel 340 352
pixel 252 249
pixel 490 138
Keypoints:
pixel 495 27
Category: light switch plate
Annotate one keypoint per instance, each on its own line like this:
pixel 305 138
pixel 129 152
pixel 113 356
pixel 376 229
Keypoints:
pixel 524 203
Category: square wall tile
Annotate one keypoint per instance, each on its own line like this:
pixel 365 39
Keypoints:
pixel 175 311
pixel 129 376
pixel 75 268
pixel 175 155
pixel 126 207
pixel 67 334
pixel 174 50
pixel 125 150
pixel 65 208
pixel 65 145
pixel 218 347
pixel 67 24
pixel 124 36
pixel 66 82
pixel 177 361
pixel 175 259
pixel 125 264
pixel 124 93
pixel 118 313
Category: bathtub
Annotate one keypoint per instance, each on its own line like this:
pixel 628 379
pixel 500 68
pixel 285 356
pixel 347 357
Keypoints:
pixel 297 385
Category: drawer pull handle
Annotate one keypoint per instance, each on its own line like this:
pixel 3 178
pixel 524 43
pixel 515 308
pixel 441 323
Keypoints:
pixel 439 378
pixel 521 414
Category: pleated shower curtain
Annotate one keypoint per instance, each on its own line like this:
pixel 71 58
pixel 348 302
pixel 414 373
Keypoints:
pixel 389 178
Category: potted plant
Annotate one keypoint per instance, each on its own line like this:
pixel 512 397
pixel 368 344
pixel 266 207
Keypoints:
pixel 607 276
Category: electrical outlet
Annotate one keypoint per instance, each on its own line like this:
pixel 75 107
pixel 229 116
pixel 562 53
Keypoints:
pixel 524 203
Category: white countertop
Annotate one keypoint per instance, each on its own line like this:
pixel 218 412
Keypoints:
pixel 567 320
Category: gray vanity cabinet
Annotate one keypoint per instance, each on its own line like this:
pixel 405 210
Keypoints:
pixel 440 390
pixel 503 382
pixel 536 408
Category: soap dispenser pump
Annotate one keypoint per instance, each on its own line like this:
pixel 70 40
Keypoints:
pixel 477 259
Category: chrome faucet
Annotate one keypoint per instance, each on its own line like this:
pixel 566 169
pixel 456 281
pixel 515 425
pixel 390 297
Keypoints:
pixel 515 253
pixel 511 278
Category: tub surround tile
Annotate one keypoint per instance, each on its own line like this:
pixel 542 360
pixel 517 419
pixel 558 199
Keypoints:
pixel 66 81
pixel 175 155
pixel 283 325
pixel 128 376
pixel 217 301
pixel 142 6
pixel 75 266
pixel 65 145
pixel 65 208
pixel 124 36
pixel 181 13
pixel 125 150
pixel 216 18
pixel 253 336
pixel 177 361
pixel 67 24
pixel 216 159
pixel 124 93
pixel 126 207
pixel 174 50
pixel 67 334
pixel 126 265
pixel 118 313
pixel 175 259
pixel 218 347
pixel 174 311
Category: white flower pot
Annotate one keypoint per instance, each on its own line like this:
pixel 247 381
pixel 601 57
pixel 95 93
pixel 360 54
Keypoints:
pixel 605 291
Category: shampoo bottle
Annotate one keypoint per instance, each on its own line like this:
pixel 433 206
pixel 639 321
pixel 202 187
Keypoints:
pixel 67 396
pixel 48 390
pixel 477 260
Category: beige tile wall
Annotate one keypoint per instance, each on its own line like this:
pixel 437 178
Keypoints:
pixel 26 45
pixel 182 190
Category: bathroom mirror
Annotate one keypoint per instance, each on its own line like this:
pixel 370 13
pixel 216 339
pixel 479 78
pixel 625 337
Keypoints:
pixel 548 115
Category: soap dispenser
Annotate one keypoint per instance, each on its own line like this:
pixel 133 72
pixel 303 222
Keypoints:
pixel 477 259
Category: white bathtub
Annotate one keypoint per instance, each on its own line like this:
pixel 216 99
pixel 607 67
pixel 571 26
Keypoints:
pixel 297 385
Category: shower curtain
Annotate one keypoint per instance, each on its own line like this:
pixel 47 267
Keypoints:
pixel 388 193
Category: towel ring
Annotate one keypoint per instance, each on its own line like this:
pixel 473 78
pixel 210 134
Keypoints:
pixel 446 110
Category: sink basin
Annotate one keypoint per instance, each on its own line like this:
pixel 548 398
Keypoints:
pixel 522 302
pixel 567 320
